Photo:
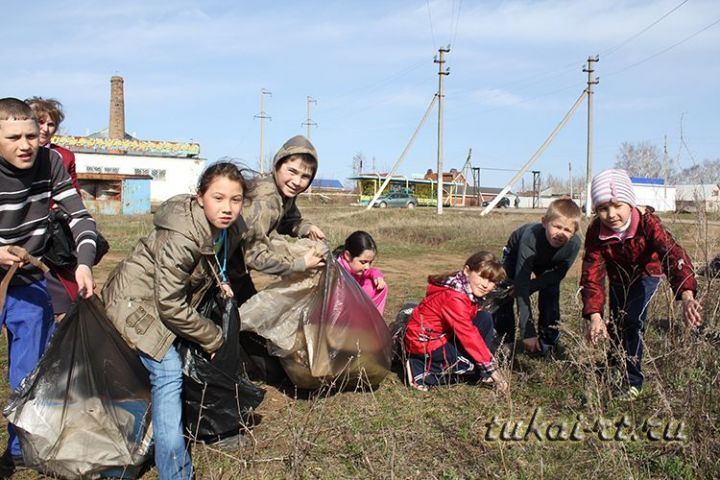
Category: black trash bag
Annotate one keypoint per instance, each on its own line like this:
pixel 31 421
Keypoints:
pixel 712 270
pixel 397 330
pixel 504 292
pixel 60 250
pixel 84 412
pixel 218 396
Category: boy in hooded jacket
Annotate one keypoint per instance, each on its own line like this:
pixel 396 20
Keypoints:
pixel 270 210
pixel 271 213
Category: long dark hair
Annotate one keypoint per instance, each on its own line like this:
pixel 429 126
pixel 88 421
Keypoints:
pixel 483 262
pixel 221 169
pixel 356 244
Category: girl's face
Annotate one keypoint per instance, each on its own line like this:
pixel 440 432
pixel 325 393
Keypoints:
pixel 48 127
pixel 360 263
pixel 293 177
pixel 479 286
pixel 614 214
pixel 222 202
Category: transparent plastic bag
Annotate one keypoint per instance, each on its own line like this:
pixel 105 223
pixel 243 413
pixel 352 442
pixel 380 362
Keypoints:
pixel 322 326
pixel 85 409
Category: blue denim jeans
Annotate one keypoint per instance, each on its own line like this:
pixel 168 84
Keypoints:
pixel 628 312
pixel 172 456
pixel 28 316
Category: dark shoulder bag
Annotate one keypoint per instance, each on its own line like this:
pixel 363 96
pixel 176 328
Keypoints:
pixel 60 249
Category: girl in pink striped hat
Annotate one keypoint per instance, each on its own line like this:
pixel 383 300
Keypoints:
pixel 630 247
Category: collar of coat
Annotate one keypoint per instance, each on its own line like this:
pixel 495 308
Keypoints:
pixel 607 233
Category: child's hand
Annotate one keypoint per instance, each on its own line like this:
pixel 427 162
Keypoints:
pixel 227 290
pixel 7 258
pixel 84 279
pixel 596 329
pixel 315 233
pixel 313 259
pixel 380 284
pixel 531 344
pixel 500 383
pixel 692 310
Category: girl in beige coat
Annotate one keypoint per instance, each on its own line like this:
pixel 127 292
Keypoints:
pixel 151 296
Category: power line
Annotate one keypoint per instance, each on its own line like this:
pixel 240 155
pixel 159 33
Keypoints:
pixel 432 30
pixel 457 22
pixel 560 71
pixel 665 50
pixel 633 37
pixel 381 82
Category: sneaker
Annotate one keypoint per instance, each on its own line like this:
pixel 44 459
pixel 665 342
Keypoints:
pixel 629 395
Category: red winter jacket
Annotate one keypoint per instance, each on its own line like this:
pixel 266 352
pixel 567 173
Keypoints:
pixel 445 313
pixel 69 161
pixel 648 250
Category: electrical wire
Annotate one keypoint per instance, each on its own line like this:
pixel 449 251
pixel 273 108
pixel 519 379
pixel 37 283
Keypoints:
pixel 665 50
pixel 432 30
pixel 457 22
pixel 617 47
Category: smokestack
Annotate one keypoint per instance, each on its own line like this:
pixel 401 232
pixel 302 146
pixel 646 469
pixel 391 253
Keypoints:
pixel 116 128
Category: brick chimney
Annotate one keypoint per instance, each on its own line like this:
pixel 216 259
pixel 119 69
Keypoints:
pixel 116 128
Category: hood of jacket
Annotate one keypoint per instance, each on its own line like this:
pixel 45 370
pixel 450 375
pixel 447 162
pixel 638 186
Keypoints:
pixel 184 215
pixel 295 146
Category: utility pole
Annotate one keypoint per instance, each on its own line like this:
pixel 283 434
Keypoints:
pixel 442 72
pixel 309 121
pixel 571 182
pixel 262 116
pixel 589 91
pixel 536 189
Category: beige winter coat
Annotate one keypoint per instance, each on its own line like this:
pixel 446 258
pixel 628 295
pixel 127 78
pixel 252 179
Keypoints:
pixel 152 295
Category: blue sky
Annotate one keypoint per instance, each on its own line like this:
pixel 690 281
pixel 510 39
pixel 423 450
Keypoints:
pixel 194 69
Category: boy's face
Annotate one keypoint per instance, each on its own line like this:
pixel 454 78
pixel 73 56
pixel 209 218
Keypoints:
pixel 293 177
pixel 614 214
pixel 19 142
pixel 559 230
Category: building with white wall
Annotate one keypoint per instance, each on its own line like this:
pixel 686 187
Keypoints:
pixel 691 198
pixel 170 176
pixel 174 166
pixel 654 193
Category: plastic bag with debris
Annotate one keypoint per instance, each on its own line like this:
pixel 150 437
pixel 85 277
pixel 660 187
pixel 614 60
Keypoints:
pixel 321 325
pixel 84 412
pixel 218 397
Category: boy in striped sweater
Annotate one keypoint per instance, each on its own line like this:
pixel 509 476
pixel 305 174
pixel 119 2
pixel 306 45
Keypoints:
pixel 30 177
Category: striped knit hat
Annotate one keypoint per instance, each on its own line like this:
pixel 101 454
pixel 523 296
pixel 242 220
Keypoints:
pixel 612 185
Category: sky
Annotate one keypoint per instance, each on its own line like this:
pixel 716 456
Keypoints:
pixel 194 70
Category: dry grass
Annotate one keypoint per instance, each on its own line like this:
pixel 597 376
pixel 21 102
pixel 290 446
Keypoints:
pixel 394 432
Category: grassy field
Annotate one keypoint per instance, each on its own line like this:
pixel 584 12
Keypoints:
pixel 672 431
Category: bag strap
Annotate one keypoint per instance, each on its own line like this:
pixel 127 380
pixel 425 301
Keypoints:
pixel 25 257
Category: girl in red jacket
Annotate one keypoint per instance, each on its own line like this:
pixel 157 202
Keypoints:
pixel 447 336
pixel 630 246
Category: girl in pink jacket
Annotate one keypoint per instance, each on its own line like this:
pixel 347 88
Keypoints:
pixel 356 256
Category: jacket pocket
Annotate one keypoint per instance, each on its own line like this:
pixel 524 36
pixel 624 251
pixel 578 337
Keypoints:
pixel 139 320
